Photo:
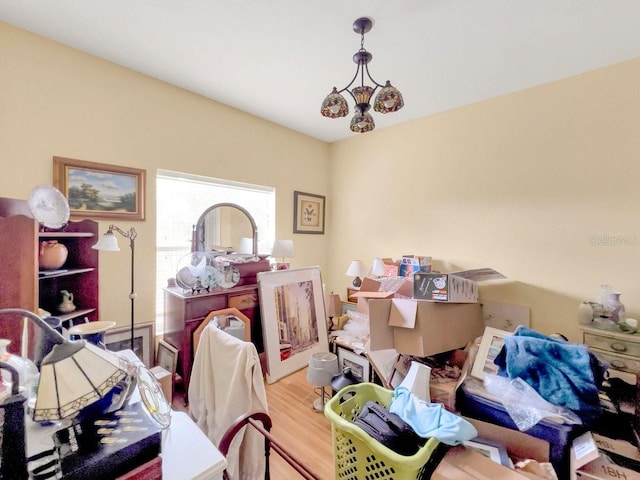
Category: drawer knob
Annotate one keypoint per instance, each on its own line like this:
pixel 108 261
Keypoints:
pixel 619 364
pixel 619 347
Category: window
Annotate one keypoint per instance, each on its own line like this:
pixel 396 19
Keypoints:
pixel 181 198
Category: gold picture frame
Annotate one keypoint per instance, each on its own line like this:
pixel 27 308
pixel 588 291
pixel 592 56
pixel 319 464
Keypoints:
pixel 100 190
pixel 308 213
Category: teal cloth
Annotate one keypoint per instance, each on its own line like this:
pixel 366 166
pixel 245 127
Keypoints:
pixel 564 374
pixel 431 419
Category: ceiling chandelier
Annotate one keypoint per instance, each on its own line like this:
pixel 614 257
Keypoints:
pixel 389 98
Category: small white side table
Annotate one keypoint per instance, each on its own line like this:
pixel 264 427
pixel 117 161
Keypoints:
pixel 187 453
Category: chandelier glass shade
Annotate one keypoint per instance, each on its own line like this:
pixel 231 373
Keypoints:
pixel 389 98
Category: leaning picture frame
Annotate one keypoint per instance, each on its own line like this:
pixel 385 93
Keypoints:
pixel 167 356
pixel 490 345
pixel 100 190
pixel 293 319
pixel 308 213
pixel 143 337
pixel 359 364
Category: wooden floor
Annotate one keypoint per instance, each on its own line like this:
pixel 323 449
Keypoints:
pixel 305 433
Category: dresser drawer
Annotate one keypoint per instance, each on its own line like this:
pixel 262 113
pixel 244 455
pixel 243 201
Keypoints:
pixel 244 301
pixel 200 307
pixel 619 362
pixel 612 344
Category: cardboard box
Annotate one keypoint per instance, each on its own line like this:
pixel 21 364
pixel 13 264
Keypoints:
pixel 458 287
pixel 419 260
pixel 621 452
pixel 416 327
pixel 370 288
pixel 462 463
pixel 586 462
pixel 410 264
pixel 165 380
pixel 391 267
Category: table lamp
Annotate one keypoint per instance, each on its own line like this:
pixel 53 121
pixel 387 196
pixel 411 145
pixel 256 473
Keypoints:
pixel 332 306
pixel 356 269
pixel 377 268
pixel 282 249
pixel 323 366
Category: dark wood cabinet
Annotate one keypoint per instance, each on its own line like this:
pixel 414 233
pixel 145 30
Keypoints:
pixel 184 312
pixel 24 285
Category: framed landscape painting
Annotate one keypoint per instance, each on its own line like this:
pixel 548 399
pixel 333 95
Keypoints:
pixel 100 190
pixel 293 319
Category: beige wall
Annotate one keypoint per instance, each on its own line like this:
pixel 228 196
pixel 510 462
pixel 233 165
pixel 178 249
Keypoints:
pixel 58 101
pixel 527 183
pixel 524 183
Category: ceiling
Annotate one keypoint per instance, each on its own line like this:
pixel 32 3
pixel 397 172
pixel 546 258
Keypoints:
pixel 278 59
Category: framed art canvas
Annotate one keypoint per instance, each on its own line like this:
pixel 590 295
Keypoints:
pixel 490 345
pixel 293 319
pixel 143 336
pixel 99 190
pixel 308 213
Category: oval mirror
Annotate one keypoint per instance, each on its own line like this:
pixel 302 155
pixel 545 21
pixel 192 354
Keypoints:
pixel 227 228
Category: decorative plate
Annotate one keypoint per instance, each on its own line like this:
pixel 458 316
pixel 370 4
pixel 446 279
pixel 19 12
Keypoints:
pixel 227 276
pixel 152 397
pixel 49 206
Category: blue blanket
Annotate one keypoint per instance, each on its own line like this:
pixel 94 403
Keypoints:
pixel 563 373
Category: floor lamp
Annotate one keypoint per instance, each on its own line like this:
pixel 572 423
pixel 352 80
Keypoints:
pixel 109 243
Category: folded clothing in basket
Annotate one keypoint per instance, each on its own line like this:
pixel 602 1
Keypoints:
pixel 431 419
pixel 388 429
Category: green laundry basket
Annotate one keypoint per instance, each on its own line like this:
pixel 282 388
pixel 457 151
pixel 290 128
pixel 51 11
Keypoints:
pixel 357 455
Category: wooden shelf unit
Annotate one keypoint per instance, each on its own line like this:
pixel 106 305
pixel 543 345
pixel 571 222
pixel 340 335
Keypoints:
pixel 23 286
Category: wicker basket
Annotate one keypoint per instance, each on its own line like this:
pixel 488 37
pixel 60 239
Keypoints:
pixel 358 456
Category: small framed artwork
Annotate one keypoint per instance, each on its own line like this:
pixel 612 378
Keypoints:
pixel 348 307
pixel 490 345
pixel 308 213
pixel 294 324
pixel 100 190
pixel 143 337
pixel 493 450
pixel 399 370
pixel 167 357
pixel 359 365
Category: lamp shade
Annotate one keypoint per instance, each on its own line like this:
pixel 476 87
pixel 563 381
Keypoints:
pixel 107 242
pixel 72 376
pixel 282 249
pixel 246 246
pixel 323 366
pixel 356 269
pixel 332 304
pixel 378 267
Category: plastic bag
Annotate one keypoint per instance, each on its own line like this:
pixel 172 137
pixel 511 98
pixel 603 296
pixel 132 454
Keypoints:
pixel 524 405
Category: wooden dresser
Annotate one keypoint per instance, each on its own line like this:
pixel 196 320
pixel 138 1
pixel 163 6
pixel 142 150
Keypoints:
pixel 184 311
pixel 620 350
